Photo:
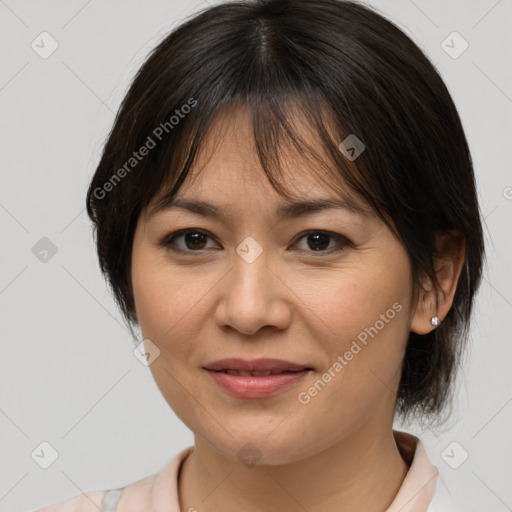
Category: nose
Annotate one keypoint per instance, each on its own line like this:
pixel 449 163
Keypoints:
pixel 252 296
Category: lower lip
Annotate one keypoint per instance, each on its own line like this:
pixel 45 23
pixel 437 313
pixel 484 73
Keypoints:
pixel 256 386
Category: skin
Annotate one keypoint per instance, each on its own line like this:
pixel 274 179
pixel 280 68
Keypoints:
pixel 336 452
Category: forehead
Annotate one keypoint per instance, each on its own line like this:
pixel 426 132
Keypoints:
pixel 227 170
pixel 228 155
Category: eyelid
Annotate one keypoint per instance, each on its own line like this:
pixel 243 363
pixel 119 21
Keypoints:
pixel 343 241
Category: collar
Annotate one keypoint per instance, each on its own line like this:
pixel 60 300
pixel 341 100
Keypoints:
pixel 417 489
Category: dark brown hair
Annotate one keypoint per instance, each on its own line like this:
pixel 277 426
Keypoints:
pixel 347 70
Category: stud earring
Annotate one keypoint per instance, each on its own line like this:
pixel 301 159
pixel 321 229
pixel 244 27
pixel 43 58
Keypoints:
pixel 434 320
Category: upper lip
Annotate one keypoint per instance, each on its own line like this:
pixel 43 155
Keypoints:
pixel 255 365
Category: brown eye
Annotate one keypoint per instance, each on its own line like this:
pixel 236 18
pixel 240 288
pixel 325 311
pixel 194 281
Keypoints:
pixel 194 240
pixel 320 241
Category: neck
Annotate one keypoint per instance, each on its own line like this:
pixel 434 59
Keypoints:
pixel 362 471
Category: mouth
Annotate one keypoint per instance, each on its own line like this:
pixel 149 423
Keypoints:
pixel 258 378
pixel 242 373
pixel 256 367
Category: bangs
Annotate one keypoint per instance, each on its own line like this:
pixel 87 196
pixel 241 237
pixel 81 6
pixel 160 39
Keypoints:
pixel 298 130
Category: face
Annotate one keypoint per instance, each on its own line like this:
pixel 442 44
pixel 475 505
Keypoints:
pixel 329 290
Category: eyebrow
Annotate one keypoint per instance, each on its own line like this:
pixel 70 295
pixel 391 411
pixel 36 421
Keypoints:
pixel 287 210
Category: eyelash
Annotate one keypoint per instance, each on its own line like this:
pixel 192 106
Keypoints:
pixel 168 241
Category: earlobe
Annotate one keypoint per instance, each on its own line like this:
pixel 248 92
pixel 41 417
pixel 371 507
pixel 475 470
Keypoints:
pixel 433 303
pixel 426 309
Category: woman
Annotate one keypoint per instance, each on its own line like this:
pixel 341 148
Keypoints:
pixel 286 207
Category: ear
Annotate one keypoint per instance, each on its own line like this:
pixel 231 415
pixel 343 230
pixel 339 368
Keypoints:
pixel 448 263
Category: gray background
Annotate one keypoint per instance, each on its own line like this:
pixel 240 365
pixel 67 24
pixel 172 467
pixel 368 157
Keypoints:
pixel 67 372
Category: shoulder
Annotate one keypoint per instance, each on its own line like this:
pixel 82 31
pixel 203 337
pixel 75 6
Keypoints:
pixel 130 498
pixel 159 488
pixel 90 501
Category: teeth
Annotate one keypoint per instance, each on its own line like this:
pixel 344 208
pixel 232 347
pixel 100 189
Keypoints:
pixel 246 374
pixel 256 374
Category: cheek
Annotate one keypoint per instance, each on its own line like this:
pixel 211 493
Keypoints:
pixel 167 308
pixel 364 312
pixel 172 309
pixel 349 301
pixel 164 299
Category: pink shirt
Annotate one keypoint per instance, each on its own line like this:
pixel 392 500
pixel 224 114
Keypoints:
pixel 421 490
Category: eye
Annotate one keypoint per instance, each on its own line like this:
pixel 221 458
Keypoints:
pixel 195 240
pixel 318 241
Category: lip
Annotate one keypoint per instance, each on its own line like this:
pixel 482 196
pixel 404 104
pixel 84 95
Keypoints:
pixel 255 365
pixel 256 386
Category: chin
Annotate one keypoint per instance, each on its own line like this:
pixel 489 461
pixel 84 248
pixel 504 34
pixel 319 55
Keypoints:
pixel 263 447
